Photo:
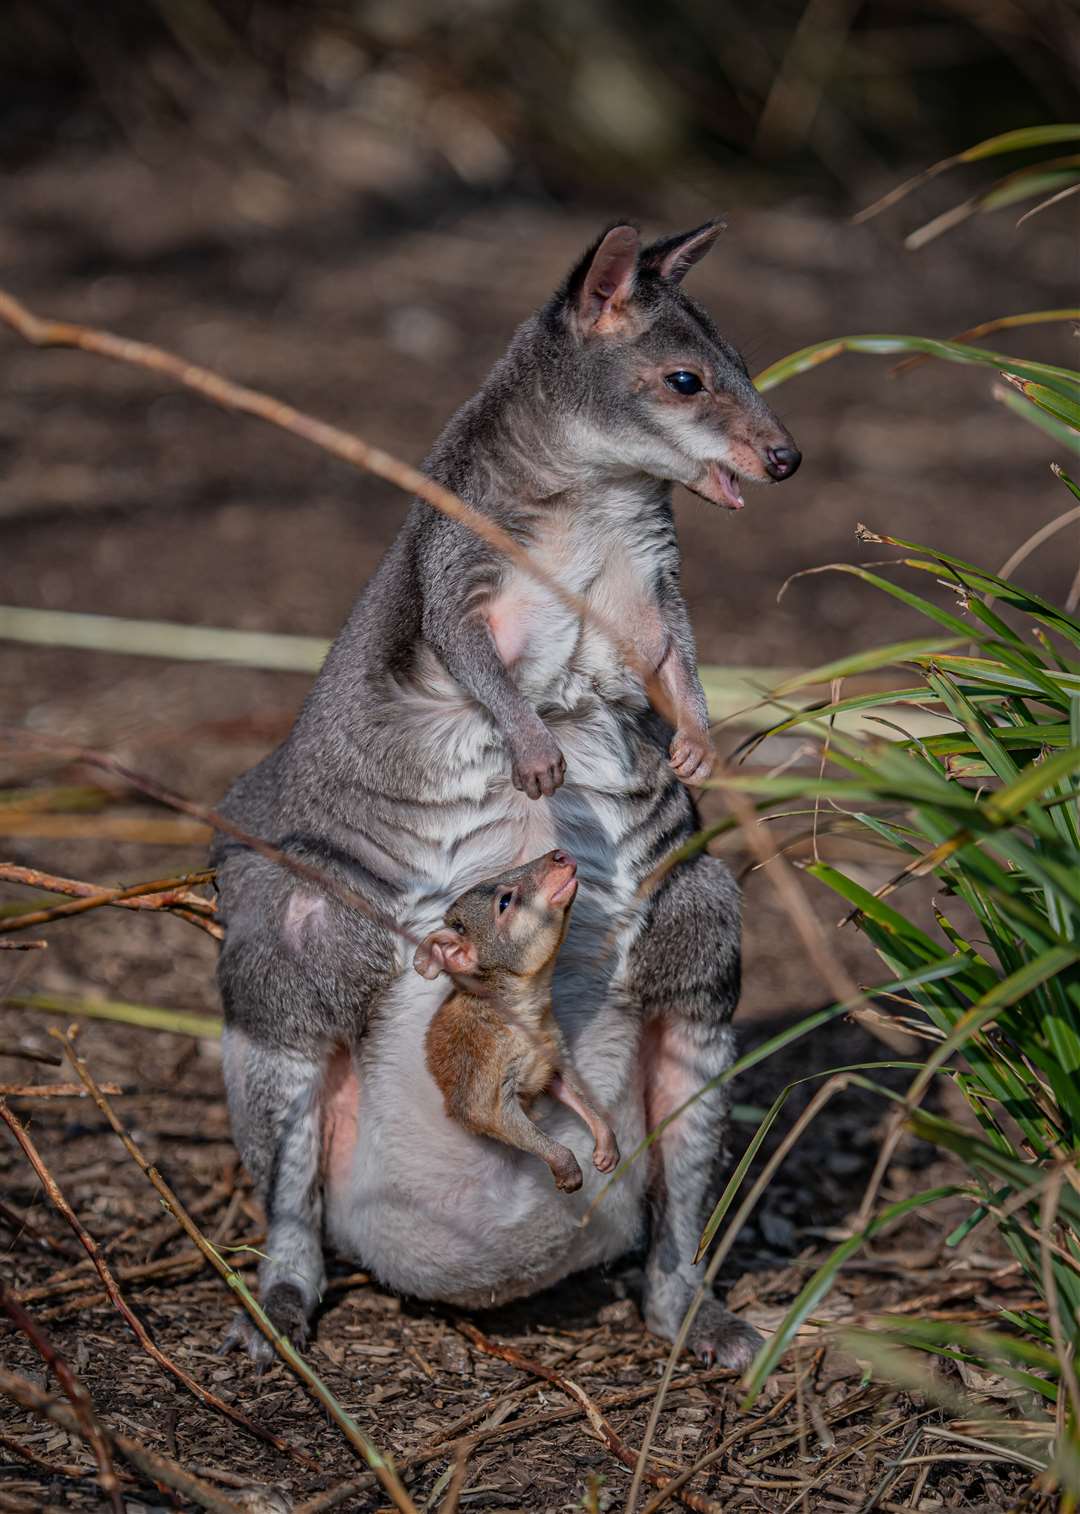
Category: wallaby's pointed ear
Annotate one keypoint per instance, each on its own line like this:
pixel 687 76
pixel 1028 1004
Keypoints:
pixel 444 951
pixel 673 257
pixel 601 286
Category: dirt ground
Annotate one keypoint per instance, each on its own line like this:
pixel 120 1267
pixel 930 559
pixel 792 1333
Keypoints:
pixel 125 498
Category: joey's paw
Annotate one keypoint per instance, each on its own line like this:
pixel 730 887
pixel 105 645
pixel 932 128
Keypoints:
pixel 721 1339
pixel 284 1307
pixel 606 1153
pixel 692 756
pixel 567 1174
pixel 538 767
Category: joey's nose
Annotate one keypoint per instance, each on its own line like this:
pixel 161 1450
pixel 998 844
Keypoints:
pixel 781 462
pixel 562 859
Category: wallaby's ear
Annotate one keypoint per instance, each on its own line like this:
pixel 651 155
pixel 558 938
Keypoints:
pixel 601 286
pixel 444 951
pixel 673 257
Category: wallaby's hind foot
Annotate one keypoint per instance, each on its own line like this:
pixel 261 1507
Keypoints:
pixel 565 1170
pixel 284 1307
pixel 606 1151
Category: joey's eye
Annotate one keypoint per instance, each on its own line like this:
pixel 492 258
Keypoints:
pixel 683 382
pixel 458 925
pixel 505 902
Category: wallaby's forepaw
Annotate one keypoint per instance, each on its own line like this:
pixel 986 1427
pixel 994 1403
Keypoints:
pixel 692 755
pixel 538 767
pixel 606 1153
pixel 567 1173
pixel 284 1307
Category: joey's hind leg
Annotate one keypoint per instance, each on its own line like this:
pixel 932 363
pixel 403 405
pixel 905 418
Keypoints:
pixel 275 1106
pixel 514 1127
pixel 566 1088
pixel 684 970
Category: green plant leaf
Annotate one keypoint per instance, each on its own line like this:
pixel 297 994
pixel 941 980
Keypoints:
pixel 822 1280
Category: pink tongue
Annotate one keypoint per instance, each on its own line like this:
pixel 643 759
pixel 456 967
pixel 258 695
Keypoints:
pixel 728 485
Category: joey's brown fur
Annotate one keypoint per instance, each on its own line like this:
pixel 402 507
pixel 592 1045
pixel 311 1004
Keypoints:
pixel 495 1046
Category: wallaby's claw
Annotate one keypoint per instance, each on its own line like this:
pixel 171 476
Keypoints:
pixel 284 1307
pixel 717 1337
pixel 606 1154
pixel 721 1339
pixel 692 756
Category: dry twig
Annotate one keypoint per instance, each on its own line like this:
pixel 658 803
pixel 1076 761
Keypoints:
pixel 172 894
pixel 30 1054
pixel 90 1427
pixel 604 1429
pixel 64 1285
pixel 445 1443
pixel 50 1090
pixel 834 1085
pixel 382 1468
pixel 343 444
pixel 152 1464
pixel 204 1395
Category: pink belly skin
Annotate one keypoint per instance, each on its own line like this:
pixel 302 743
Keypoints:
pixel 341 1109
pixel 670 1079
pixel 508 623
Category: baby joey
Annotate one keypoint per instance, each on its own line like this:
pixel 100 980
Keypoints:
pixel 495 1044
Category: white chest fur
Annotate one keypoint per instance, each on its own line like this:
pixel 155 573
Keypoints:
pixel 610 555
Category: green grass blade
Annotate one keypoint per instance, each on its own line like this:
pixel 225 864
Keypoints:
pixel 1064 380
pixel 1065 436
pixel 822 1280
pixel 869 662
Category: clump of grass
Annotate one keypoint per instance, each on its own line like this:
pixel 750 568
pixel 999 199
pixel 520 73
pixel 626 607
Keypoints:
pixel 989 808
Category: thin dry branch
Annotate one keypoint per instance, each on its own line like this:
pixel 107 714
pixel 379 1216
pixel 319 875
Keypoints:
pixel 23 1225
pixel 174 894
pixel 325 882
pixel 379 1464
pixel 833 1086
pixel 35 1459
pixel 152 1464
pixel 674 1487
pixel 448 1442
pixel 604 1429
pixel 90 1427
pixel 204 1395
pixel 343 444
pixel 50 1090
pixel 29 1054
pixel 137 1272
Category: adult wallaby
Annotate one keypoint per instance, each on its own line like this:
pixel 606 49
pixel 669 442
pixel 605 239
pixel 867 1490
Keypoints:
pixel 465 721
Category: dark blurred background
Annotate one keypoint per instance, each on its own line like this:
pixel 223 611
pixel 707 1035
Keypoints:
pixel 352 205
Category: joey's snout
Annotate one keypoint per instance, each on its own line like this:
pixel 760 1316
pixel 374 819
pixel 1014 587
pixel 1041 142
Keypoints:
pixel 559 883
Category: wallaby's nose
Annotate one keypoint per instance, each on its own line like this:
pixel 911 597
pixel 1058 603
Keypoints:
pixel 781 462
pixel 562 859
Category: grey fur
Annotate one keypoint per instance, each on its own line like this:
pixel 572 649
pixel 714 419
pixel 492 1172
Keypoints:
pixel 465 721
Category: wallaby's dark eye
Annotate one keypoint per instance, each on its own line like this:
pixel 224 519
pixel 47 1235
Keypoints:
pixel 458 926
pixel 683 382
pixel 505 902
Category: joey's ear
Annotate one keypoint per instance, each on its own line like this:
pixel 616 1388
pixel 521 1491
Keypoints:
pixel 673 257
pixel 601 286
pixel 444 951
